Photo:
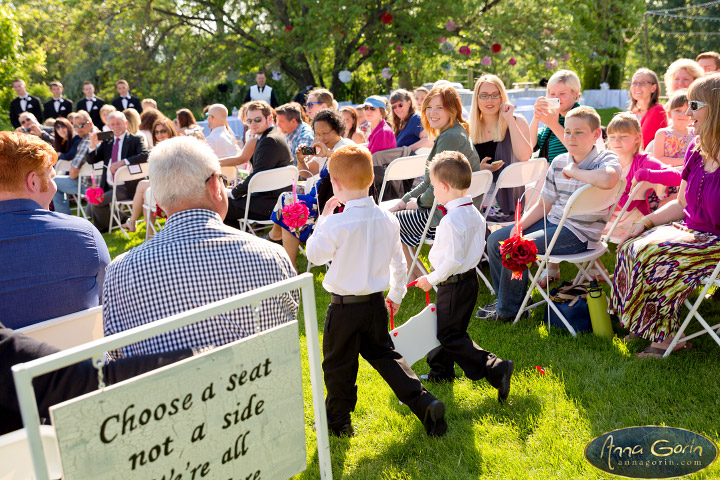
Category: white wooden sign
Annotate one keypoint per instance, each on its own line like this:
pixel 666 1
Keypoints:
pixel 233 413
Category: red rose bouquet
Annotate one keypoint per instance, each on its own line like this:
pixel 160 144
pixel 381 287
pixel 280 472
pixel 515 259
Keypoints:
pixel 518 252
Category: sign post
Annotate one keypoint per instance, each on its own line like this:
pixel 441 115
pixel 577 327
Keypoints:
pixel 232 412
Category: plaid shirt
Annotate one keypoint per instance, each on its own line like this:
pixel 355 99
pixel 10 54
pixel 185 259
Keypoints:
pixel 303 134
pixel 193 261
pixel 81 156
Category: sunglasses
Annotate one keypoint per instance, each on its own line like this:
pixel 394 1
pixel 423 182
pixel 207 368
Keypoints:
pixel 372 109
pixel 696 105
pixel 255 120
pixel 220 177
pixel 311 104
pixel 163 131
pixel 485 96
pixel 398 105
pixel 81 125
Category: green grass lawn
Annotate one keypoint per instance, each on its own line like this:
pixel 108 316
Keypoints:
pixel 590 386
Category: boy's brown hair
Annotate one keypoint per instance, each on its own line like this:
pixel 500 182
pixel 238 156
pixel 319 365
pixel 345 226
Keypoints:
pixel 586 113
pixel 352 167
pixel 452 168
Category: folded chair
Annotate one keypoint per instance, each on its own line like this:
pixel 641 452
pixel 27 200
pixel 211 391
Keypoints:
pixel 117 206
pixel 588 199
pixel 403 168
pixel 265 181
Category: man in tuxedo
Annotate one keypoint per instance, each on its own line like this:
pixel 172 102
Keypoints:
pixel 125 100
pixel 91 104
pixel 24 103
pixel 123 149
pixel 271 151
pixel 57 106
pixel 261 91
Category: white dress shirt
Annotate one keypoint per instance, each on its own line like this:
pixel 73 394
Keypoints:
pixel 363 243
pixel 222 142
pixel 459 240
pixel 89 104
pixel 56 104
pixel 111 176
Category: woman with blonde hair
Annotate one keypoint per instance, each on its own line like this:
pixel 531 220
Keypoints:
pixel 664 260
pixel 133 120
pixel 442 118
pixel 644 103
pixel 681 73
pixel 499 136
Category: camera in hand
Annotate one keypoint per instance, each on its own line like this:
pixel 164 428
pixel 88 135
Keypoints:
pixel 102 136
pixel 26 129
pixel 305 150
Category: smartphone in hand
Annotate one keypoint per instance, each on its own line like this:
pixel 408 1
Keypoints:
pixel 102 136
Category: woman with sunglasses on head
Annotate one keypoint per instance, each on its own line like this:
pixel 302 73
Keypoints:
pixel 500 138
pixel 442 118
pixel 644 103
pixel 162 129
pixel 350 115
pixel 669 251
pixel 319 99
pixel 381 135
pixel 407 124
pixel 66 142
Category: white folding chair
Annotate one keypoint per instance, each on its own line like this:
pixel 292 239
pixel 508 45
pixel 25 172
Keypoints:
pixel 587 200
pixel 15 459
pixel 479 185
pixel 230 172
pixel 123 175
pixel 69 330
pixel 149 209
pixel 710 281
pixel 265 181
pixel 521 174
pixel 637 193
pixel 403 168
pixel 62 166
pixel 86 171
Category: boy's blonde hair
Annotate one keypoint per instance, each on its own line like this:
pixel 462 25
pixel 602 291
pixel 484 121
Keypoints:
pixel 678 100
pixel 586 113
pixel 352 167
pixel 626 122
pixel 452 168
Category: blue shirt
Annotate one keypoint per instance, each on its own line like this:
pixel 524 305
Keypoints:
pixel 302 135
pixel 411 133
pixel 51 265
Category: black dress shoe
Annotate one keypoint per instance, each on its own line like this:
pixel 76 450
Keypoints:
pixel 434 419
pixel 504 387
pixel 346 430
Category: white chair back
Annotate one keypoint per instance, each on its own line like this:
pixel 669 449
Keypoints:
pixel 480 184
pixel 69 330
pixel 272 179
pixel 230 172
pixel 62 166
pixel 591 199
pixel 637 193
pixel 123 174
pixel 15 459
pixel 519 174
pixel 404 168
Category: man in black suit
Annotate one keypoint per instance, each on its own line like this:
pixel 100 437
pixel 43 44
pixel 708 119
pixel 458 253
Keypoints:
pixel 23 103
pixel 57 106
pixel 123 149
pixel 91 104
pixel 125 100
pixel 271 151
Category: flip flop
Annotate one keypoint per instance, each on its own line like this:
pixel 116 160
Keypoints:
pixel 655 352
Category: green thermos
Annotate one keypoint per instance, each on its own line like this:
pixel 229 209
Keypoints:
pixel 598 307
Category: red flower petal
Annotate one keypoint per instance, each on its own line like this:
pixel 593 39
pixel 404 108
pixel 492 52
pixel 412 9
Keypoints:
pixel 288 28
pixel 387 18
pixel 496 47
pixel 539 369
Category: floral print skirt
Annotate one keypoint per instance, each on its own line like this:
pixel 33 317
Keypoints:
pixel 656 272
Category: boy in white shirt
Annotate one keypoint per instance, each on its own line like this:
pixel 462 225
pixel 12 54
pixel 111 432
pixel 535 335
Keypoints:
pixel 363 243
pixel 458 247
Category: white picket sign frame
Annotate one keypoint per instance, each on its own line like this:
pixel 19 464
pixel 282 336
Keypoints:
pixel 24 373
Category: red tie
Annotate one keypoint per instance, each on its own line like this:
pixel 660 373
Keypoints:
pixel 444 210
pixel 114 154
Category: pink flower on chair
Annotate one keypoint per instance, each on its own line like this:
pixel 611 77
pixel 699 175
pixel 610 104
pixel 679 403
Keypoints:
pixel 295 215
pixel 95 195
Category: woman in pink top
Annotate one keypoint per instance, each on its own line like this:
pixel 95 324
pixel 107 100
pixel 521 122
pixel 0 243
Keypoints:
pixel 381 134
pixel 660 268
pixel 644 95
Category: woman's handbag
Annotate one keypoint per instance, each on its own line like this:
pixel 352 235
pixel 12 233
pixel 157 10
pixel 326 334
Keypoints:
pixel 572 303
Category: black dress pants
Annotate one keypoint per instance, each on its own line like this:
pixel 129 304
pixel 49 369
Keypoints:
pixel 455 306
pixel 361 329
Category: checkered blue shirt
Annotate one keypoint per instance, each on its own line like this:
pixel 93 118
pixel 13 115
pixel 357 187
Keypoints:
pixel 302 135
pixel 193 261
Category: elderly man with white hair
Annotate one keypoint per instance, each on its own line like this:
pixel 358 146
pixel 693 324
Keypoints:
pixel 30 124
pixel 221 139
pixel 194 260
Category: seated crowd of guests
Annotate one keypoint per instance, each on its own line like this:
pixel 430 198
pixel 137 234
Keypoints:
pixel 669 238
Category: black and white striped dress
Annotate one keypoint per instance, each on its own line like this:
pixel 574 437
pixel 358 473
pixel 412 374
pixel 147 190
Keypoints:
pixel 412 224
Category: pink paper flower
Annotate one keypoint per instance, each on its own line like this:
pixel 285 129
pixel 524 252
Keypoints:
pixel 386 73
pixel 450 26
pixel 565 57
pixel 465 50
pixel 399 48
pixel 442 40
pixel 288 28
pixel 387 18
pixel 364 51
pixel 486 61
pixel 496 47
pixel 512 61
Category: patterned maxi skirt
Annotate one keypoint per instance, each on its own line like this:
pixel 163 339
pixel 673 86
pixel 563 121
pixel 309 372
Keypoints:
pixel 656 272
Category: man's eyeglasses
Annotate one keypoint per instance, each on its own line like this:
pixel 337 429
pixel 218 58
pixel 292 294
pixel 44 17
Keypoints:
pixel 255 120
pixel 312 104
pixel 398 105
pixel 220 177
pixel 159 132
pixel 80 125
pixel 641 84
pixel 367 107
pixel 485 96
pixel 696 105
